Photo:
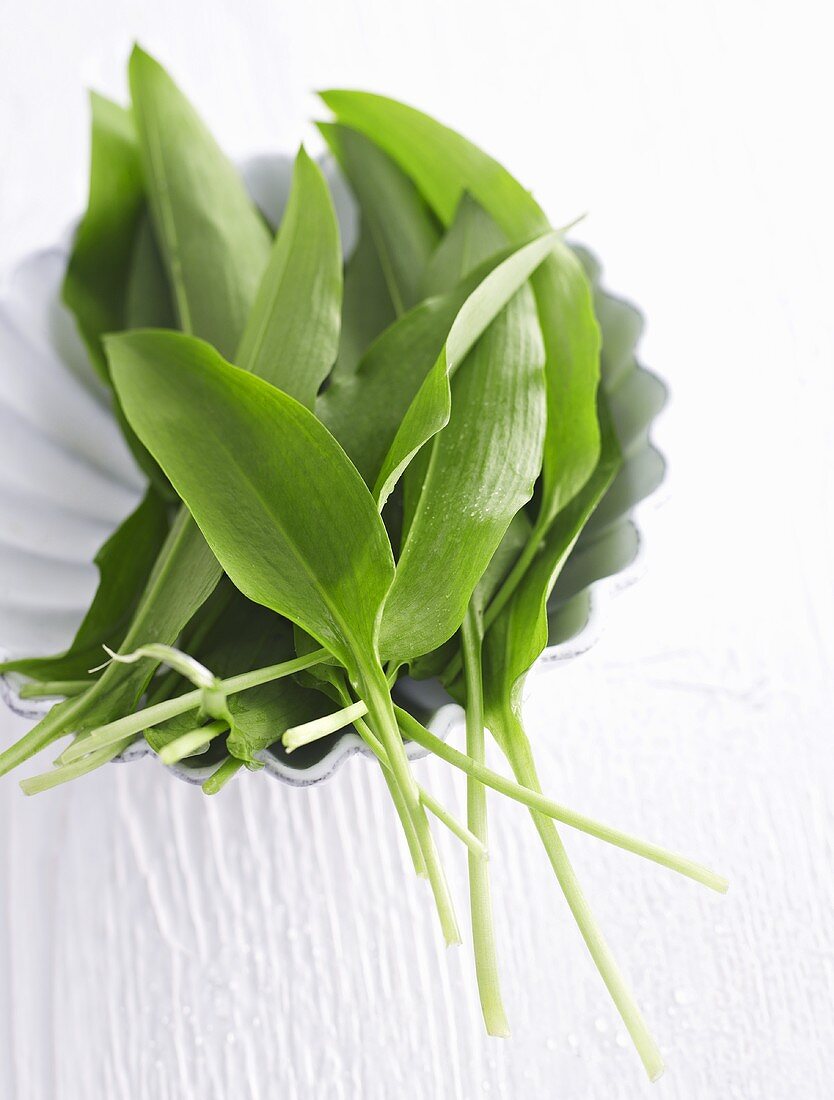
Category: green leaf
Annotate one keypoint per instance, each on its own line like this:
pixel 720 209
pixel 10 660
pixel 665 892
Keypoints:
pixel 96 283
pixel 124 563
pixel 367 308
pixel 214 242
pixel 430 409
pixel 481 470
pixel 399 222
pixel 280 503
pixel 292 334
pixel 470 239
pixel 364 409
pixel 148 303
pixel 443 166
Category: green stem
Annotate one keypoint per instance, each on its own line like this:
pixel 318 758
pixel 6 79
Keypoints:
pixel 428 800
pixel 480 902
pixel 415 731
pixel 513 741
pixel 377 695
pixel 477 849
pixel 51 727
pixel 187 744
pixel 503 595
pixel 535 800
pixel 37 783
pixel 45 689
pixel 133 724
pixel 218 780
pixel 406 820
pixel 307 732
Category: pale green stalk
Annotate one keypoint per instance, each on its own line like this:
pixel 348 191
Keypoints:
pixel 192 741
pixel 415 731
pixel 376 693
pixel 133 724
pixel 218 779
pixel 480 902
pixel 49 688
pixel 513 741
pixel 429 801
pixel 43 782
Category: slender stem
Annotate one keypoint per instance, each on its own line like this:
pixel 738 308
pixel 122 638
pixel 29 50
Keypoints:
pixel 480 902
pixel 307 732
pixel 55 724
pixel 218 780
pixel 415 731
pixel 534 799
pixel 516 746
pixel 406 820
pixel 504 593
pixel 377 695
pixel 37 783
pixel 428 800
pixel 477 849
pixel 47 688
pixel 133 724
pixel 187 744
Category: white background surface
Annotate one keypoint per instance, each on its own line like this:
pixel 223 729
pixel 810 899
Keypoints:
pixel 270 943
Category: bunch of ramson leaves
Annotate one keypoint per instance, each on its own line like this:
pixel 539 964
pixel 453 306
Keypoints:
pixel 354 472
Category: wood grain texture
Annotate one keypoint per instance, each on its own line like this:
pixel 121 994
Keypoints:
pixel 157 945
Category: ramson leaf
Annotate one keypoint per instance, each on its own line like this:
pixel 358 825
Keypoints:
pixel 398 221
pixel 443 166
pixel 480 471
pixel 96 283
pixel 281 505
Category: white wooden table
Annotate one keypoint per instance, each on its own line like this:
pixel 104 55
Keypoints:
pixel 271 943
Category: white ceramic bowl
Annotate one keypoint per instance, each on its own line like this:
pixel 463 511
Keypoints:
pixel 67 479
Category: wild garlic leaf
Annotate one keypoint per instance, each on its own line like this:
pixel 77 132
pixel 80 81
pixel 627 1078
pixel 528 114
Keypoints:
pixel 443 166
pixel 472 237
pixel 283 508
pixel 102 261
pixel 124 563
pixel 96 283
pixel 214 242
pixel 364 409
pixel 481 470
pixel 400 224
pixel 292 333
pixel 148 303
pixel 429 412
pixel 367 308
pixel 464 249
